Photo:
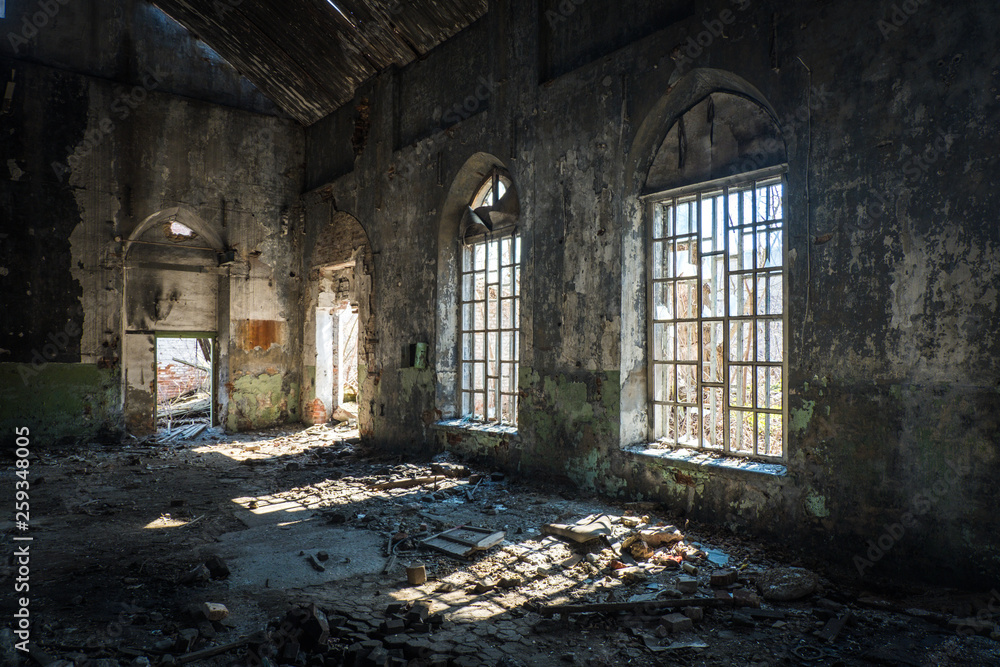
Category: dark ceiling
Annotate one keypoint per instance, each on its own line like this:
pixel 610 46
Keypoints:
pixel 309 56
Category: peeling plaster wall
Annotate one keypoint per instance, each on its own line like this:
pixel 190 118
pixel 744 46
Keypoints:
pixel 890 133
pixel 98 147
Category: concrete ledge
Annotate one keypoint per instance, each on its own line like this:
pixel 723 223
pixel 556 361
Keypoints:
pixel 467 426
pixel 705 460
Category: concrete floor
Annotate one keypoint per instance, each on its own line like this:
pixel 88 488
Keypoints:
pixel 117 529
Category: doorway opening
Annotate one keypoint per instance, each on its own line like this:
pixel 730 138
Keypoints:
pixel 184 384
pixel 337 361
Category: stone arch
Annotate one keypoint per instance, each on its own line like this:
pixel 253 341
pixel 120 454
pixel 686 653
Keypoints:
pixel 183 215
pixel 173 285
pixel 688 91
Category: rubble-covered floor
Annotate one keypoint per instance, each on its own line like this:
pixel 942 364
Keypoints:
pixel 131 541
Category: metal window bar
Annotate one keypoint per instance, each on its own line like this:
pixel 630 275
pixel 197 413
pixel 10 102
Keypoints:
pixel 740 225
pixel 489 304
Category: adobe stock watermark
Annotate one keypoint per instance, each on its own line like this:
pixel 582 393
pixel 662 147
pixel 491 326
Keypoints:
pixel 121 109
pixel 715 28
pixel 468 107
pixel 562 12
pixel 921 503
pixel 984 618
pixel 33 22
pixel 916 166
pixel 899 14
pixel 55 344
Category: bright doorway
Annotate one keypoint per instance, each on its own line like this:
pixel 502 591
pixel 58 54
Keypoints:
pixel 337 361
pixel 185 402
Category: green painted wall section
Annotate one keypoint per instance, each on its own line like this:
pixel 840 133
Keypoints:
pixel 59 400
pixel 259 401
pixel 572 423
pixel 799 418
pixel 415 382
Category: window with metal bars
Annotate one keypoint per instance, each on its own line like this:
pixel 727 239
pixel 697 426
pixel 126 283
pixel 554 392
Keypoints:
pixel 490 290
pixel 717 326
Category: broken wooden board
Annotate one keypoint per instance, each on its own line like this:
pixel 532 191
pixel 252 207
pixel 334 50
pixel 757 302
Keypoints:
pixel 464 541
pixel 408 483
pixel 647 606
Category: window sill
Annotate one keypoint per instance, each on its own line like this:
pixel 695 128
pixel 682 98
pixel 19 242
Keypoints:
pixel 705 460
pixel 464 425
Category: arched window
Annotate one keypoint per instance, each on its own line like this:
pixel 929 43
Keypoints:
pixel 489 303
pixel 716 285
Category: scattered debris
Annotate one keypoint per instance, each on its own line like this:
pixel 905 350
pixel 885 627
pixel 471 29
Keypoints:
pixel 214 611
pixel 450 470
pixel 834 627
pixel 661 536
pixel 315 563
pixel 209 652
pixel 408 483
pixel 217 567
pixel 199 575
pixel 687 584
pixel 677 622
pixel 694 644
pixel 723 578
pixel 627 583
pixel 649 606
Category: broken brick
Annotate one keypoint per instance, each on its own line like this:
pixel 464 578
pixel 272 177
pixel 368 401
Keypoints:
pixel 677 622
pixel 744 597
pixel 722 578
pixel 217 567
pixel 393 626
pixel 214 611
pixel 694 613
pixel 687 584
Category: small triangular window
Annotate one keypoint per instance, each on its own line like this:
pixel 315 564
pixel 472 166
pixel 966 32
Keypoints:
pixel 176 231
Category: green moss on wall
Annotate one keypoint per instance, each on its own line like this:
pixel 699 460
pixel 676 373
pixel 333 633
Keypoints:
pixel 571 424
pixel 799 418
pixel 259 401
pixel 415 381
pixel 59 400
pixel 816 505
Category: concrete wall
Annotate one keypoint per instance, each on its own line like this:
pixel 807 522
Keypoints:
pixel 101 135
pixel 888 128
pixel 886 115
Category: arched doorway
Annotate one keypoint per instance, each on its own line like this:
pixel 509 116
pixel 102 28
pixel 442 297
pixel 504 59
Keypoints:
pixel 338 341
pixel 174 288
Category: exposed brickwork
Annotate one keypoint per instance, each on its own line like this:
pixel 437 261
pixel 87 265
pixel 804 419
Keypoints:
pixel 316 414
pixel 338 240
pixel 175 379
